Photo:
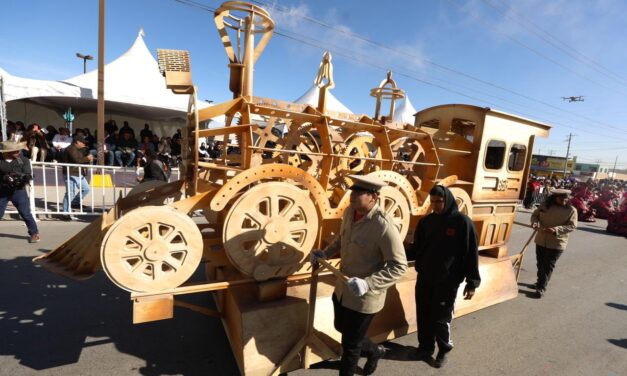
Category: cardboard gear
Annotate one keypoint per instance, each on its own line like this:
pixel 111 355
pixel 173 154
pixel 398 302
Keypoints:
pixel 366 183
pixel 11 146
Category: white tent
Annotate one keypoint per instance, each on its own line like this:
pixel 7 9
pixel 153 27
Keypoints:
pixel 311 98
pixel 405 112
pixel 134 91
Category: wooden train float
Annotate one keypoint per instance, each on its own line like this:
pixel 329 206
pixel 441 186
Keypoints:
pixel 280 191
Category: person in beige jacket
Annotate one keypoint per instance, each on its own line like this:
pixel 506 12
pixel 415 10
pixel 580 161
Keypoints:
pixel 554 220
pixel 373 257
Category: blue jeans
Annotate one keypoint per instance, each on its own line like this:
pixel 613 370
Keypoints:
pixel 131 158
pixel 73 184
pixel 19 198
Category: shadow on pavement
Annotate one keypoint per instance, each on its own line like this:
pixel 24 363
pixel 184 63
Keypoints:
pixel 619 342
pixel 25 237
pixel 617 306
pixel 399 352
pixel 46 321
pixel 596 230
pixel 528 294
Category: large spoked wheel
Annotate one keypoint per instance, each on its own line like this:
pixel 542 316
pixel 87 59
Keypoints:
pixel 393 202
pixel 464 203
pixel 270 230
pixel 150 249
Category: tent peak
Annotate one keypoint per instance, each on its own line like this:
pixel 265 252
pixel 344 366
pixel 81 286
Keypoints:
pixel 141 33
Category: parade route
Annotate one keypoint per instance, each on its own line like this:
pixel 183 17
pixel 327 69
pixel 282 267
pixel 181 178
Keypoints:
pixel 50 325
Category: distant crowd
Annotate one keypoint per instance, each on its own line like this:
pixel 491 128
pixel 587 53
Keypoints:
pixel 605 199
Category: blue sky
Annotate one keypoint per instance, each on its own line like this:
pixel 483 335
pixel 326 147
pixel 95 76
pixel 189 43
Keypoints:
pixel 517 56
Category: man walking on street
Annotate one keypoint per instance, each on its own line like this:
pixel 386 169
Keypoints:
pixel 555 219
pixel 15 174
pixel 373 257
pixel 445 245
pixel 75 176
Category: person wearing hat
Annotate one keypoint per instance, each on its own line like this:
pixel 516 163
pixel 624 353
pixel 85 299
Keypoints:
pixel 554 220
pixel 75 178
pixel 373 257
pixel 15 173
pixel 446 251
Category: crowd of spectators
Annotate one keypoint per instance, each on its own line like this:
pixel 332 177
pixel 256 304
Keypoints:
pixel 605 199
pixel 122 147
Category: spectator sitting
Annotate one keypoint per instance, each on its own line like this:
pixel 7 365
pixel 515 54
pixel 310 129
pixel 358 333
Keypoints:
pixel 178 135
pixel 155 141
pixel 126 147
pixel 146 132
pixel 216 151
pixel 109 148
pixel 203 152
pixel 60 141
pixel 143 147
pixel 51 131
pixel 127 129
pixel 111 127
pixel 18 132
pixel 36 142
pixel 90 139
pixel 175 146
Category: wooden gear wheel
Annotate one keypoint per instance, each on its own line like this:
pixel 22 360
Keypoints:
pixel 304 141
pixel 357 148
pixel 394 203
pixel 150 249
pixel 464 203
pixel 270 230
pixel 410 150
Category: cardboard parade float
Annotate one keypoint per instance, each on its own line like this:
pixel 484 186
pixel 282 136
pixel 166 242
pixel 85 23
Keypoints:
pixel 281 192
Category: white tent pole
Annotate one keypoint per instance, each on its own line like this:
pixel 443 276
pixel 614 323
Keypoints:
pixel 3 111
pixel 101 104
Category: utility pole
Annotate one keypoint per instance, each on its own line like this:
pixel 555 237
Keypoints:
pixel 570 137
pixel 614 169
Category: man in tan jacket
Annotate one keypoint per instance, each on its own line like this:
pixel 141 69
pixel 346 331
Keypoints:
pixel 555 219
pixel 373 257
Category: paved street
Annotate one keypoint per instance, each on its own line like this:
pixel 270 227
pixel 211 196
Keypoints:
pixel 53 326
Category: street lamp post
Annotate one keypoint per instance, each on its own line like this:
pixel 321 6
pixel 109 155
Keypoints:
pixel 85 58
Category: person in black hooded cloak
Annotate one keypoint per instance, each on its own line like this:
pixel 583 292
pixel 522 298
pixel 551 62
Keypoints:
pixel 445 248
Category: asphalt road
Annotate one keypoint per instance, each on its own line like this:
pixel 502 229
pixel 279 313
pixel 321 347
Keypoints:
pixel 53 326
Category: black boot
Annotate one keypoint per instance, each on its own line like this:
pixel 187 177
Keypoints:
pixel 441 359
pixel 373 360
pixel 422 354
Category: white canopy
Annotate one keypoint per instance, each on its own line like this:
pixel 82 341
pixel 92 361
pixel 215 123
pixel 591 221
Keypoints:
pixel 133 85
pixel 311 98
pixel 405 112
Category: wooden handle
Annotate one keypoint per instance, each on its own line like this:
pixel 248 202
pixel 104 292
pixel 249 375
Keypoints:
pixel 333 269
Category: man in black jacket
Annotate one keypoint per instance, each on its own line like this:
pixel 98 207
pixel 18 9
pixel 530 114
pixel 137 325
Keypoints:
pixel 76 153
pixel 15 173
pixel 445 245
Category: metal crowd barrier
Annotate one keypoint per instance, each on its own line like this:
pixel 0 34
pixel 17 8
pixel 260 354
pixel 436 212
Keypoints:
pixel 51 180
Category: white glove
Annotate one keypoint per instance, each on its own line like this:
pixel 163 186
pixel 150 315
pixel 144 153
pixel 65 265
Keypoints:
pixel 317 254
pixel 358 286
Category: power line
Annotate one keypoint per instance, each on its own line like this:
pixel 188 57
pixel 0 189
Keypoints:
pixel 432 63
pixel 591 65
pixel 340 51
pixel 535 51
pixel 574 50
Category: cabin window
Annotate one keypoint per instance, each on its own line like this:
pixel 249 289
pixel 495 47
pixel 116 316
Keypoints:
pixel 464 128
pixel 495 155
pixel 433 123
pixel 517 154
